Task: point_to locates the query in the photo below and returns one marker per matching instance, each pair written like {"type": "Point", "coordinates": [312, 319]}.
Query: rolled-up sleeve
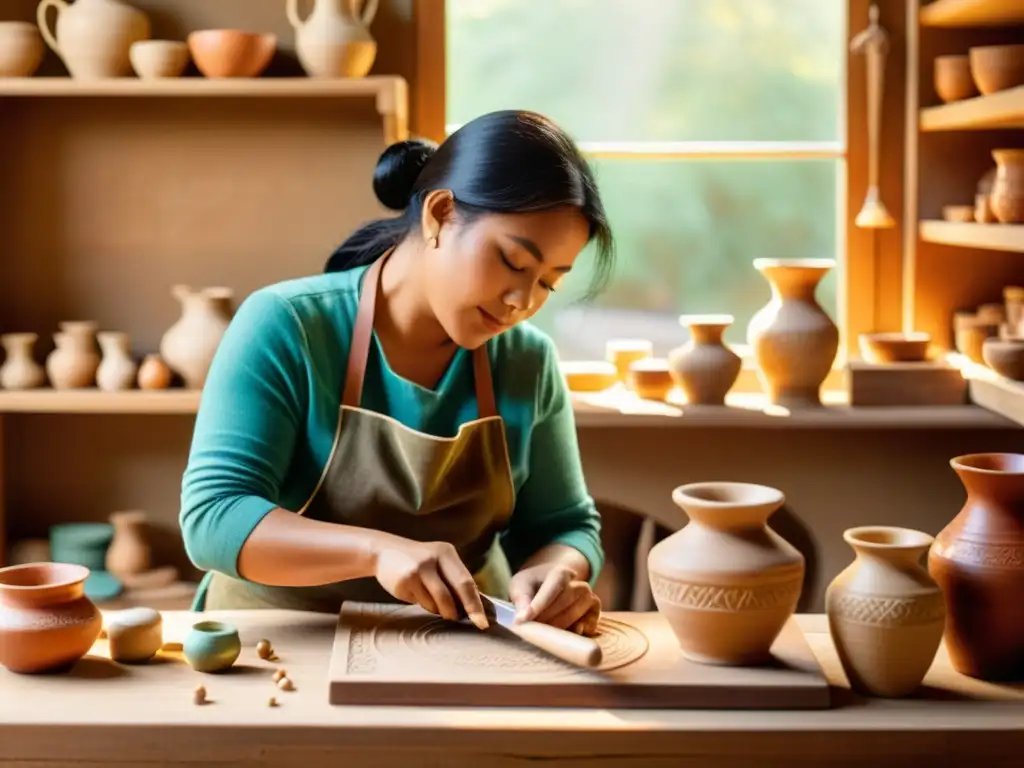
{"type": "Point", "coordinates": [553, 505]}
{"type": "Point", "coordinates": [251, 412]}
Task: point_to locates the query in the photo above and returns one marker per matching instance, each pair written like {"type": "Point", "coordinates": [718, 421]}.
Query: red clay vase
{"type": "Point", "coordinates": [978, 561]}
{"type": "Point", "coordinates": [46, 621]}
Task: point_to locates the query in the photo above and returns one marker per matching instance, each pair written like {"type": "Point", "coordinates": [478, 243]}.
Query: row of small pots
{"type": "Point", "coordinates": [986, 69]}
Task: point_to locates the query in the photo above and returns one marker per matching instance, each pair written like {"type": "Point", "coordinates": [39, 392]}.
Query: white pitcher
{"type": "Point", "coordinates": [93, 37]}
{"type": "Point", "coordinates": [335, 40]}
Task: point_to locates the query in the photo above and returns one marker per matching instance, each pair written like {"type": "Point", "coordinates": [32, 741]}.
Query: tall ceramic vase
{"type": "Point", "coordinates": [793, 339]}
{"type": "Point", "coordinates": [93, 37]}
{"type": "Point", "coordinates": [978, 560]}
{"type": "Point", "coordinates": [885, 613]}
{"type": "Point", "coordinates": [726, 582]}
{"type": "Point", "coordinates": [335, 39]}
{"type": "Point", "coordinates": [189, 345]}
{"type": "Point", "coordinates": [705, 368]}
{"type": "Point", "coordinates": [20, 370]}
{"type": "Point", "coordinates": [1007, 197]}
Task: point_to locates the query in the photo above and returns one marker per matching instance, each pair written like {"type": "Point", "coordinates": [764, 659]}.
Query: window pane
{"type": "Point", "coordinates": [686, 233]}
{"type": "Point", "coordinates": [653, 70]}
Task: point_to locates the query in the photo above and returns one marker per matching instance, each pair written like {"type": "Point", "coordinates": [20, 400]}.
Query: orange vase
{"type": "Point", "coordinates": [46, 621]}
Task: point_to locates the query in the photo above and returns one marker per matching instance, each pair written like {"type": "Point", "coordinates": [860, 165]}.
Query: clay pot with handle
{"type": "Point", "coordinates": [93, 37]}
{"type": "Point", "coordinates": [335, 39]}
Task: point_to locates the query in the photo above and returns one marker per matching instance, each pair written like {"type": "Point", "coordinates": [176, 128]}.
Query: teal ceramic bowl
{"type": "Point", "coordinates": [211, 646]}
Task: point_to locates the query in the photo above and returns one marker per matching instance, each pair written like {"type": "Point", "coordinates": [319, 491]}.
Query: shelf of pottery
{"type": "Point", "coordinates": [102, 43]}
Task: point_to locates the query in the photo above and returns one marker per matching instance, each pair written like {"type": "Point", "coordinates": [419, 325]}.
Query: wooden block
{"type": "Point", "coordinates": [1000, 395]}
{"type": "Point", "coordinates": [401, 655]}
{"type": "Point", "coordinates": [925, 383]}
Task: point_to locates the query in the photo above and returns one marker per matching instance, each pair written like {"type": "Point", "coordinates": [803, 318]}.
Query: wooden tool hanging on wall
{"type": "Point", "coordinates": [873, 42]}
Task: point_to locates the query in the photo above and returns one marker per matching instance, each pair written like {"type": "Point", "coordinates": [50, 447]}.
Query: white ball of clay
{"type": "Point", "coordinates": [135, 634]}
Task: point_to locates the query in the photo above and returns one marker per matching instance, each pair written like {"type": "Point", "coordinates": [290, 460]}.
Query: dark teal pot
{"type": "Point", "coordinates": [211, 646]}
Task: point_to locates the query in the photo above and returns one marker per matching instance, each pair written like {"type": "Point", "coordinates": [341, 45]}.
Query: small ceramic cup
{"type": "Point", "coordinates": [154, 59]}
{"type": "Point", "coordinates": [211, 646]}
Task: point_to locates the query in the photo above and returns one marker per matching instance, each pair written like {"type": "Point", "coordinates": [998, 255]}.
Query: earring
{"type": "Point", "coordinates": [432, 241]}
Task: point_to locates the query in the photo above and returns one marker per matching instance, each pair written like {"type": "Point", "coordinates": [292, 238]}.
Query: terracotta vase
{"type": "Point", "coordinates": [73, 364]}
{"type": "Point", "coordinates": [20, 369]}
{"type": "Point", "coordinates": [46, 621]}
{"type": "Point", "coordinates": [117, 369]}
{"type": "Point", "coordinates": [726, 582]}
{"type": "Point", "coordinates": [705, 368]}
{"type": "Point", "coordinates": [93, 37]}
{"type": "Point", "coordinates": [793, 339]}
{"type": "Point", "coordinates": [978, 560]}
{"type": "Point", "coordinates": [154, 373]}
{"type": "Point", "coordinates": [1007, 198]}
{"type": "Point", "coordinates": [885, 613]}
{"type": "Point", "coordinates": [129, 553]}
{"type": "Point", "coordinates": [21, 49]}
{"type": "Point", "coordinates": [189, 345]}
{"type": "Point", "coordinates": [335, 39]}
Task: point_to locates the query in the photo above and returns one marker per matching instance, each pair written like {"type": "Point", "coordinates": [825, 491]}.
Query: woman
{"type": "Point", "coordinates": [392, 429]}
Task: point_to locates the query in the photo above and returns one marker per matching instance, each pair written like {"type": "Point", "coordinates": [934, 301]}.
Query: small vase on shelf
{"type": "Point", "coordinates": [73, 364]}
{"type": "Point", "coordinates": [705, 368]}
{"type": "Point", "coordinates": [20, 370]}
{"type": "Point", "coordinates": [189, 345]}
{"type": "Point", "coordinates": [117, 368]}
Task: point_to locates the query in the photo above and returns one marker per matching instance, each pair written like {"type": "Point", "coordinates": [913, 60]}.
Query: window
{"type": "Point", "coordinates": [716, 128]}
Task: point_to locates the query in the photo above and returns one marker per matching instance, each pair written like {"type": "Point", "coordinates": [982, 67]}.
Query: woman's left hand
{"type": "Point", "coordinates": [551, 594]}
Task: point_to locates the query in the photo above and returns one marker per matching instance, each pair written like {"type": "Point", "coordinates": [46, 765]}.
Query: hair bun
{"type": "Point", "coordinates": [397, 169]}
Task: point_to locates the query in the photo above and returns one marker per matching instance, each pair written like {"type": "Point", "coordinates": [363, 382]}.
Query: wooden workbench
{"type": "Point", "coordinates": [116, 716]}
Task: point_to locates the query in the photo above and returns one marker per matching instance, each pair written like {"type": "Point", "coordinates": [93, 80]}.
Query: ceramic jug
{"type": "Point", "coordinates": [188, 346]}
{"type": "Point", "coordinates": [726, 582]}
{"type": "Point", "coordinates": [335, 40]}
{"type": "Point", "coordinates": [93, 37]}
{"type": "Point", "coordinates": [705, 368]}
{"type": "Point", "coordinates": [793, 339]}
{"type": "Point", "coordinates": [20, 370]}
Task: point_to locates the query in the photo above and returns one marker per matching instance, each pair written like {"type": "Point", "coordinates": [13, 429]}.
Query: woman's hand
{"type": "Point", "coordinates": [429, 574]}
{"type": "Point", "coordinates": [551, 594]}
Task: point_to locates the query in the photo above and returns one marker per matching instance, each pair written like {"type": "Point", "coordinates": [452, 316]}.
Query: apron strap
{"type": "Point", "coordinates": [359, 351]}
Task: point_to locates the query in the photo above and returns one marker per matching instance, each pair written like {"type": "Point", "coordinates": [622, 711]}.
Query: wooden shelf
{"type": "Point", "coordinates": [991, 391]}
{"type": "Point", "coordinates": [993, 237]}
{"type": "Point", "coordinates": [972, 13]}
{"type": "Point", "coordinates": [1004, 109]}
{"type": "Point", "coordinates": [171, 401]}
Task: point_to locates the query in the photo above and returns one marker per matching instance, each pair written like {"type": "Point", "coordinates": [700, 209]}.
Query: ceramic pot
{"type": "Point", "coordinates": [189, 345]}
{"type": "Point", "coordinates": [93, 37]}
{"type": "Point", "coordinates": [46, 621]}
{"type": "Point", "coordinates": [1007, 198]}
{"type": "Point", "coordinates": [117, 369]}
{"type": "Point", "coordinates": [622, 353]}
{"type": "Point", "coordinates": [20, 370]}
{"type": "Point", "coordinates": [154, 373]}
{"type": "Point", "coordinates": [158, 59]}
{"type": "Point", "coordinates": [335, 40]}
{"type": "Point", "coordinates": [885, 613]}
{"type": "Point", "coordinates": [978, 561]}
{"type": "Point", "coordinates": [129, 552]}
{"type": "Point", "coordinates": [705, 368]}
{"type": "Point", "coordinates": [211, 646]}
{"type": "Point", "coordinates": [21, 49]}
{"type": "Point", "coordinates": [793, 339]}
{"type": "Point", "coordinates": [726, 582]}
{"type": "Point", "coordinates": [73, 364]}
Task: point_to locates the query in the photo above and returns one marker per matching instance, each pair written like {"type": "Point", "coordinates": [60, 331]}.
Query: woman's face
{"type": "Point", "coordinates": [496, 270]}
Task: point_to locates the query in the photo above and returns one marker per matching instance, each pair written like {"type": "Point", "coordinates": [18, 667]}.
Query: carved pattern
{"type": "Point", "coordinates": [708, 597]}
{"type": "Point", "coordinates": [888, 611]}
{"type": "Point", "coordinates": [362, 660]}
{"type": "Point", "coordinates": [985, 555]}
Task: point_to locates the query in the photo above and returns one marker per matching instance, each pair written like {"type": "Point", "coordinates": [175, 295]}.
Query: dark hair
{"type": "Point", "coordinates": [510, 161]}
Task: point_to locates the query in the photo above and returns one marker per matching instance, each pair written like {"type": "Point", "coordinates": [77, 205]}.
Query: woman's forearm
{"type": "Point", "coordinates": [561, 554]}
{"type": "Point", "coordinates": [289, 550]}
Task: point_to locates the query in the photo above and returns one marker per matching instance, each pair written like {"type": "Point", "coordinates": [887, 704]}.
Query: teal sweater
{"type": "Point", "coordinates": [270, 405]}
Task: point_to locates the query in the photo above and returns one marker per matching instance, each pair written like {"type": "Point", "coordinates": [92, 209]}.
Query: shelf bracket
{"type": "Point", "coordinates": [392, 106]}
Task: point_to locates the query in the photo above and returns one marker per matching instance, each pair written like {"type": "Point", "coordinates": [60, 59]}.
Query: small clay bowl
{"type": "Point", "coordinates": [155, 59]}
{"type": "Point", "coordinates": [894, 347]}
{"type": "Point", "coordinates": [650, 378]}
{"type": "Point", "coordinates": [997, 67]}
{"type": "Point", "coordinates": [211, 646]}
{"type": "Point", "coordinates": [21, 49]}
{"type": "Point", "coordinates": [1005, 357]}
{"type": "Point", "coordinates": [220, 53]}
{"type": "Point", "coordinates": [958, 213]}
{"type": "Point", "coordinates": [589, 375]}
{"type": "Point", "coordinates": [952, 76]}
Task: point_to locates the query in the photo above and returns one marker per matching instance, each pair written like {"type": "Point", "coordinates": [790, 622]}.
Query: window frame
{"type": "Point", "coordinates": [869, 291]}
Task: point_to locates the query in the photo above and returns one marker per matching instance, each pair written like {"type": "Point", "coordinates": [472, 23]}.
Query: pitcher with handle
{"type": "Point", "coordinates": [334, 40]}
{"type": "Point", "coordinates": [92, 37]}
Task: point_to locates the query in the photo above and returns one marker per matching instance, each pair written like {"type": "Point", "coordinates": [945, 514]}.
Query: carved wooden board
{"type": "Point", "coordinates": [401, 655]}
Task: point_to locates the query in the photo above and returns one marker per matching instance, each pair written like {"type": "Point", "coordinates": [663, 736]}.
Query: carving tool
{"type": "Point", "coordinates": [567, 646]}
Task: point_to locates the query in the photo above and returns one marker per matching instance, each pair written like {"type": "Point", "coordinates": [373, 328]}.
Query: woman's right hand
{"type": "Point", "coordinates": [429, 574]}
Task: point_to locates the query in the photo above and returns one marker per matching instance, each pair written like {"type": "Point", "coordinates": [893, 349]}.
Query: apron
{"type": "Point", "coordinates": [383, 475]}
